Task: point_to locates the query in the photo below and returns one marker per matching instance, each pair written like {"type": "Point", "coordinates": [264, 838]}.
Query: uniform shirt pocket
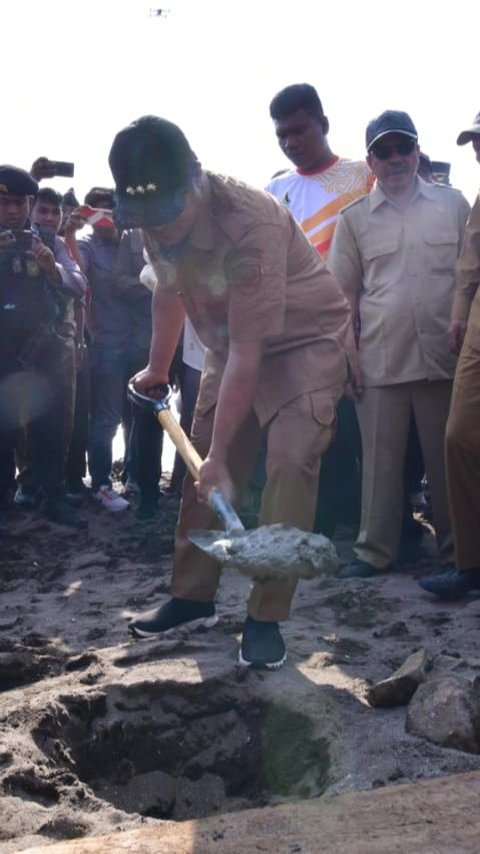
{"type": "Point", "coordinates": [441, 251]}
{"type": "Point", "coordinates": [381, 262]}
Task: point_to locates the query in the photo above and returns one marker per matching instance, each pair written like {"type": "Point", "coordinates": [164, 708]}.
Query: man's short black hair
{"type": "Point", "coordinates": [100, 197]}
{"type": "Point", "coordinates": [299, 96]}
{"type": "Point", "coordinates": [48, 194]}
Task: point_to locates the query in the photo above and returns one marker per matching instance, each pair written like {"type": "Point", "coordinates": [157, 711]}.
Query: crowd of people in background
{"type": "Point", "coordinates": [76, 326]}
{"type": "Point", "coordinates": [97, 337]}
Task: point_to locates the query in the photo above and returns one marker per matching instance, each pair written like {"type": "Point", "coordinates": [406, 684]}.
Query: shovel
{"type": "Point", "coordinates": [276, 552]}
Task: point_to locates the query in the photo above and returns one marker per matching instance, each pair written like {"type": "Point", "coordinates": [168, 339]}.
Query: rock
{"type": "Point", "coordinates": [400, 687]}
{"type": "Point", "coordinates": [80, 662]}
{"type": "Point", "coordinates": [446, 710]}
{"type": "Point", "coordinates": [395, 630]}
{"type": "Point", "coordinates": [85, 559]}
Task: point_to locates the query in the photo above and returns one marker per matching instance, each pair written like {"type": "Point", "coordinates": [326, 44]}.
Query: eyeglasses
{"type": "Point", "coordinates": [384, 152]}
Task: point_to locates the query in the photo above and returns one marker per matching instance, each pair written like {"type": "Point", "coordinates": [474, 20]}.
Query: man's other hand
{"type": "Point", "coordinates": [44, 258]}
{"type": "Point", "coordinates": [42, 168]}
{"type": "Point", "coordinates": [7, 240]}
{"type": "Point", "coordinates": [74, 223]}
{"type": "Point", "coordinates": [354, 386]}
{"type": "Point", "coordinates": [214, 473]}
{"type": "Point", "coordinates": [456, 334]}
{"type": "Point", "coordinates": [151, 383]}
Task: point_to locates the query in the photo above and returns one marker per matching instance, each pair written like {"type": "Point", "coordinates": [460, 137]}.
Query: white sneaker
{"type": "Point", "coordinates": [131, 487]}
{"type": "Point", "coordinates": [110, 499]}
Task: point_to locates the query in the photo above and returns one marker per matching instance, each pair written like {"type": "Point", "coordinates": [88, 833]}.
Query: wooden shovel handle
{"type": "Point", "coordinates": [192, 459]}
{"type": "Point", "coordinates": [188, 453]}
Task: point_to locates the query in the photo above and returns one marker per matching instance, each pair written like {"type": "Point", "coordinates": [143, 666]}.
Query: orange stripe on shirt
{"type": "Point", "coordinates": [332, 208]}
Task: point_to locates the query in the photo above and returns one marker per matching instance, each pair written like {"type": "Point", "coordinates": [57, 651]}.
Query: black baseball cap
{"type": "Point", "coordinates": [17, 182]}
{"type": "Point", "coordinates": [468, 134]}
{"type": "Point", "coordinates": [391, 121]}
{"type": "Point", "coordinates": [153, 167]}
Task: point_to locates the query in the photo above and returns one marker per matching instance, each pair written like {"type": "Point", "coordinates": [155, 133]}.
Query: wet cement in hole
{"type": "Point", "coordinates": [183, 751]}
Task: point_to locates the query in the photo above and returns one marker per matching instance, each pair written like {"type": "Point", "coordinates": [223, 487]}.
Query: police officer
{"type": "Point", "coordinates": [32, 302]}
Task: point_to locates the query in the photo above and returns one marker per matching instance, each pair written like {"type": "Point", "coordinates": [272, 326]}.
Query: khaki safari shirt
{"type": "Point", "coordinates": [249, 274]}
{"type": "Point", "coordinates": [398, 267]}
{"type": "Point", "coordinates": [466, 302]}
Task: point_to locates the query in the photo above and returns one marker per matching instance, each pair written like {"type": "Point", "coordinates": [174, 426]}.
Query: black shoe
{"type": "Point", "coordinates": [262, 645]}
{"type": "Point", "coordinates": [172, 492]}
{"type": "Point", "coordinates": [358, 569]}
{"type": "Point", "coordinates": [29, 499]}
{"type": "Point", "coordinates": [452, 583]}
{"type": "Point", "coordinates": [63, 514]}
{"type": "Point", "coordinates": [73, 499]}
{"type": "Point", "coordinates": [146, 509]}
{"type": "Point", "coordinates": [175, 612]}
{"type": "Point", "coordinates": [76, 493]}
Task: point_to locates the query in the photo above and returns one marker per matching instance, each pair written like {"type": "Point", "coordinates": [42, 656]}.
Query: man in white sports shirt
{"type": "Point", "coordinates": [315, 189]}
{"type": "Point", "coordinates": [320, 183]}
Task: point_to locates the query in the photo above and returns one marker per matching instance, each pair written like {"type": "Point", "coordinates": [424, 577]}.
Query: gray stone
{"type": "Point", "coordinates": [400, 687]}
{"type": "Point", "coordinates": [81, 561]}
{"type": "Point", "coordinates": [446, 710]}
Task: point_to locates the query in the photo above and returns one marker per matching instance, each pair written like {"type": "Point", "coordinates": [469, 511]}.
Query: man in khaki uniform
{"type": "Point", "coordinates": [394, 254]}
{"type": "Point", "coordinates": [463, 433]}
{"type": "Point", "coordinates": [275, 323]}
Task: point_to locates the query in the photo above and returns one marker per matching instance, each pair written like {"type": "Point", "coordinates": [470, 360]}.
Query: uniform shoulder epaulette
{"type": "Point", "coordinates": [355, 202]}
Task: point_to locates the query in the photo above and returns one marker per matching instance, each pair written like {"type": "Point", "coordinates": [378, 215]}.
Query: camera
{"type": "Point", "coordinates": [46, 234]}
{"type": "Point", "coordinates": [23, 240]}
{"type": "Point", "coordinates": [64, 169]}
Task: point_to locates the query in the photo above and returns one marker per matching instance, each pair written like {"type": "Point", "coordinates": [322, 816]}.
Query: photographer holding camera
{"type": "Point", "coordinates": [34, 289]}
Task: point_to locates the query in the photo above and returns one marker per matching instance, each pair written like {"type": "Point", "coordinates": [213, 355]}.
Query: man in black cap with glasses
{"type": "Point", "coordinates": [275, 324]}
{"type": "Point", "coordinates": [394, 253]}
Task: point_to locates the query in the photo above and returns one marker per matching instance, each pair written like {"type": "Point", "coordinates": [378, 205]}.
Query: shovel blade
{"type": "Point", "coordinates": [213, 543]}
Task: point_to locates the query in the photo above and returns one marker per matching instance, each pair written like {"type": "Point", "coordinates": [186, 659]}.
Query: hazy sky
{"type": "Point", "coordinates": [75, 73]}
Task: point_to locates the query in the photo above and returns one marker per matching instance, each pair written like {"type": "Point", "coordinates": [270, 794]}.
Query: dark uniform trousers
{"type": "Point", "coordinates": [35, 398]}
{"type": "Point", "coordinates": [297, 437]}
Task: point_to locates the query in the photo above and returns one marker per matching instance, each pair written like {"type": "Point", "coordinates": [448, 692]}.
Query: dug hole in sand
{"type": "Point", "coordinates": [100, 734]}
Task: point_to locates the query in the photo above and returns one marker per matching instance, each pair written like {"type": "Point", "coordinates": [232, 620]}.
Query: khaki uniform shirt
{"type": "Point", "coordinates": [466, 303]}
{"type": "Point", "coordinates": [249, 274]}
{"type": "Point", "coordinates": [398, 266]}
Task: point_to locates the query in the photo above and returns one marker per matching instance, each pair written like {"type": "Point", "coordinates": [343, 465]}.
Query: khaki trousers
{"type": "Point", "coordinates": [297, 436]}
{"type": "Point", "coordinates": [463, 458]}
{"type": "Point", "coordinates": [384, 416]}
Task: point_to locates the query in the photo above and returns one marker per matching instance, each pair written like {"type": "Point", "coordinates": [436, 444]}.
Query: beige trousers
{"type": "Point", "coordinates": [384, 417]}
{"type": "Point", "coordinates": [463, 458]}
{"type": "Point", "coordinates": [297, 436]}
